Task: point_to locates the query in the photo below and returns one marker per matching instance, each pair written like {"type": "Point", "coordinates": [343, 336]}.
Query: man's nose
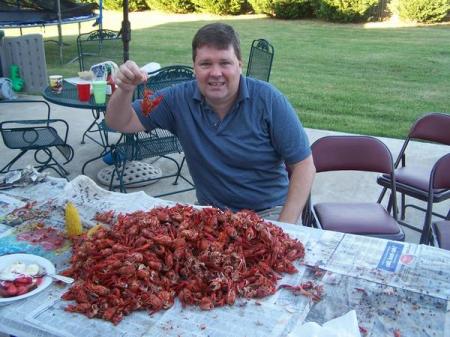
{"type": "Point", "coordinates": [216, 70]}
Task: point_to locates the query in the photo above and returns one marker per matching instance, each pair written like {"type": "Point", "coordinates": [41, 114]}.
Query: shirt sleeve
{"type": "Point", "coordinates": [288, 135]}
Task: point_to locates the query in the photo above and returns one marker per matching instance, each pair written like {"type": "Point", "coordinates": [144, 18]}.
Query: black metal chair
{"type": "Point", "coordinates": [38, 135]}
{"type": "Point", "coordinates": [99, 46]}
{"type": "Point", "coordinates": [355, 153]}
{"type": "Point", "coordinates": [158, 142]}
{"type": "Point", "coordinates": [413, 179]}
{"type": "Point", "coordinates": [260, 60]}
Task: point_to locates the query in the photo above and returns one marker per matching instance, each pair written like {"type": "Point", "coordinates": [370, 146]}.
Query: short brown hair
{"type": "Point", "coordinates": [217, 35]}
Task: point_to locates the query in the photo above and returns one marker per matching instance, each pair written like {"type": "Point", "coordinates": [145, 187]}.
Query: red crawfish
{"type": "Point", "coordinates": [149, 103]}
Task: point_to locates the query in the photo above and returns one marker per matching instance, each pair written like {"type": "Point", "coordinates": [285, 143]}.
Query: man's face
{"type": "Point", "coordinates": [218, 73]}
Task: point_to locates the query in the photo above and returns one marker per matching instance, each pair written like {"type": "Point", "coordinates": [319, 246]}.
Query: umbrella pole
{"type": "Point", "coordinates": [126, 31]}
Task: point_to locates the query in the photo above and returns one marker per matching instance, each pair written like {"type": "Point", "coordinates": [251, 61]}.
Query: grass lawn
{"type": "Point", "coordinates": [338, 77]}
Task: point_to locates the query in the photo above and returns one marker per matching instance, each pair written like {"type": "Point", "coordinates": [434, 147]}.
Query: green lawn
{"type": "Point", "coordinates": [338, 77]}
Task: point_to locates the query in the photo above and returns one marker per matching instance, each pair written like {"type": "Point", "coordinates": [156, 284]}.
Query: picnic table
{"type": "Point", "coordinates": [396, 288]}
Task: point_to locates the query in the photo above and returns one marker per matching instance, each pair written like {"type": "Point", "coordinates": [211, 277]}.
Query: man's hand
{"type": "Point", "coordinates": [120, 115]}
{"type": "Point", "coordinates": [129, 76]}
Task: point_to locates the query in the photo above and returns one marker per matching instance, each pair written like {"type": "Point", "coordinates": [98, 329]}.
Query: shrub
{"type": "Point", "coordinates": [345, 10]}
{"type": "Point", "coordinates": [172, 6]}
{"type": "Point", "coordinates": [133, 5]}
{"type": "Point", "coordinates": [262, 6]}
{"type": "Point", "coordinates": [221, 7]}
{"type": "Point", "coordinates": [426, 11]}
{"type": "Point", "coordinates": [292, 9]}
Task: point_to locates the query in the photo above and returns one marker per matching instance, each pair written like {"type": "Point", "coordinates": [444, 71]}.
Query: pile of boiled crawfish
{"type": "Point", "coordinates": [205, 257]}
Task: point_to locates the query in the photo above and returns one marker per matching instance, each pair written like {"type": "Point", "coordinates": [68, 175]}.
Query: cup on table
{"type": "Point", "coordinates": [84, 91]}
{"type": "Point", "coordinates": [56, 83]}
{"type": "Point", "coordinates": [99, 89]}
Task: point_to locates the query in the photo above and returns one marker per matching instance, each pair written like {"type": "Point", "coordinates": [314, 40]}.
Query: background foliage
{"type": "Point", "coordinates": [426, 11]}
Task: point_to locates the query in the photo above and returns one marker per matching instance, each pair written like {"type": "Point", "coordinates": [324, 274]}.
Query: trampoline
{"type": "Point", "coordinates": [41, 13]}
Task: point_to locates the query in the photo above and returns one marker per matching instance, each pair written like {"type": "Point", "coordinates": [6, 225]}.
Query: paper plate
{"type": "Point", "coordinates": [7, 260]}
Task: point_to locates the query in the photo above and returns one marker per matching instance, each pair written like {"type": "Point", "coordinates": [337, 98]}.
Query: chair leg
{"type": "Point", "coordinates": [403, 206]}
{"type": "Point", "coordinates": [8, 166]}
{"type": "Point", "coordinates": [50, 162]}
{"type": "Point", "coordinates": [382, 194]}
{"type": "Point", "coordinates": [179, 170]}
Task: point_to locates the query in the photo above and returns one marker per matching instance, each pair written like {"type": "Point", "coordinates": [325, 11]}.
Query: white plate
{"type": "Point", "coordinates": [7, 260]}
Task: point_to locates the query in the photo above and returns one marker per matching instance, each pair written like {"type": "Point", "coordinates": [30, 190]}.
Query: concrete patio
{"type": "Point", "coordinates": [341, 186]}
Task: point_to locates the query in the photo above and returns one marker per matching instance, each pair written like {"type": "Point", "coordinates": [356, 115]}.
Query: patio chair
{"type": "Point", "coordinates": [38, 135]}
{"type": "Point", "coordinates": [260, 60]}
{"type": "Point", "coordinates": [412, 178]}
{"type": "Point", "coordinates": [355, 153]}
{"type": "Point", "coordinates": [439, 230]}
{"type": "Point", "coordinates": [99, 46]}
{"type": "Point", "coordinates": [158, 142]}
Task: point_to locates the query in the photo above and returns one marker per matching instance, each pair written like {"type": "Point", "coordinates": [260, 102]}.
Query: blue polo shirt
{"type": "Point", "coordinates": [236, 163]}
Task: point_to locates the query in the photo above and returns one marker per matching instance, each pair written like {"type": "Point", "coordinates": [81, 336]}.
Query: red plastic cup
{"type": "Point", "coordinates": [84, 91]}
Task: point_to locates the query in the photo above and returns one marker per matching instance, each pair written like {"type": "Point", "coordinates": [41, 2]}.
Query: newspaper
{"type": "Point", "coordinates": [391, 286]}
{"type": "Point", "coordinates": [418, 268]}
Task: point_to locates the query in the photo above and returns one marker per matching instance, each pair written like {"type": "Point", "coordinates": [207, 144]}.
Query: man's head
{"type": "Point", "coordinates": [216, 35]}
{"type": "Point", "coordinates": [217, 65]}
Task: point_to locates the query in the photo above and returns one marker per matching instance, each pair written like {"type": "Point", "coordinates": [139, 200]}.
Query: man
{"type": "Point", "coordinates": [238, 134]}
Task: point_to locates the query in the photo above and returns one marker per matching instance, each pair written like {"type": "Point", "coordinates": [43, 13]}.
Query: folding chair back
{"type": "Point", "coordinates": [355, 153]}
{"type": "Point", "coordinates": [413, 179]}
{"type": "Point", "coordinates": [260, 60]}
{"type": "Point", "coordinates": [433, 127]}
{"type": "Point", "coordinates": [157, 142]}
{"type": "Point", "coordinates": [439, 179]}
{"type": "Point", "coordinates": [99, 46]}
{"type": "Point", "coordinates": [358, 153]}
{"type": "Point", "coordinates": [38, 135]}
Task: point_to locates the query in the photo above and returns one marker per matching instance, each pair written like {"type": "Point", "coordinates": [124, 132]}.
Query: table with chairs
{"type": "Point", "coordinates": [97, 130]}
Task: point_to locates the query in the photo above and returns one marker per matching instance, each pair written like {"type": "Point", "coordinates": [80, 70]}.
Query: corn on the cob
{"type": "Point", "coordinates": [73, 221]}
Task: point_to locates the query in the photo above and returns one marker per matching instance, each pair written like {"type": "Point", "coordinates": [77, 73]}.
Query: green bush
{"type": "Point", "coordinates": [345, 10]}
{"type": "Point", "coordinates": [262, 6]}
{"type": "Point", "coordinates": [426, 11]}
{"type": "Point", "coordinates": [133, 5]}
{"type": "Point", "coordinates": [172, 6]}
{"type": "Point", "coordinates": [222, 7]}
{"type": "Point", "coordinates": [292, 9]}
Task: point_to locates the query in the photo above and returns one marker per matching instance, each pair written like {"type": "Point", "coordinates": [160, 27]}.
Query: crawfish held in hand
{"type": "Point", "coordinates": [206, 258]}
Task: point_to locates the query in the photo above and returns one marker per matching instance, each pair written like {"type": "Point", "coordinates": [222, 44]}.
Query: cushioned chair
{"type": "Point", "coordinates": [38, 135]}
{"type": "Point", "coordinates": [355, 153]}
{"type": "Point", "coordinates": [412, 178]}
{"type": "Point", "coordinates": [158, 142]}
{"type": "Point", "coordinates": [440, 230]}
{"type": "Point", "coordinates": [260, 60]}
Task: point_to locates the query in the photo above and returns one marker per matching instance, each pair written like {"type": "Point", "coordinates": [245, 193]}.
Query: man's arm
{"type": "Point", "coordinates": [120, 115]}
{"type": "Point", "coordinates": [300, 183]}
